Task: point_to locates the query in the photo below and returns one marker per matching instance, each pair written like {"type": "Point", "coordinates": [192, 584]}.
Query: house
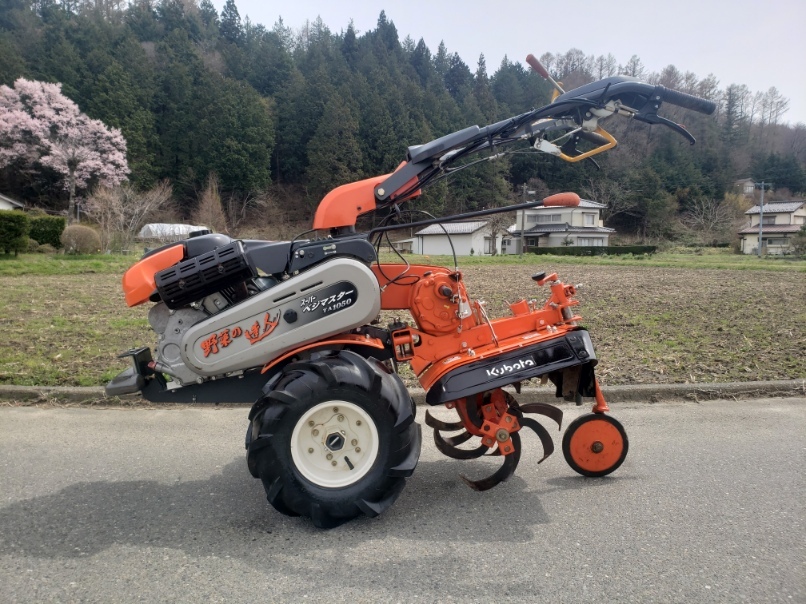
{"type": "Point", "coordinates": [745, 186]}
{"type": "Point", "coordinates": [559, 226]}
{"type": "Point", "coordinates": [468, 237]}
{"type": "Point", "coordinates": [6, 203]}
{"type": "Point", "coordinates": [781, 221]}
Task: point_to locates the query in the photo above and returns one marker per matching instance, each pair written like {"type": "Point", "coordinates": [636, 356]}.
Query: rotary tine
{"type": "Point", "coordinates": [543, 409]}
{"type": "Point", "coordinates": [542, 434]}
{"type": "Point", "coordinates": [458, 439]}
{"type": "Point", "coordinates": [503, 473]}
{"type": "Point", "coordinates": [455, 453]}
{"type": "Point", "coordinates": [436, 424]}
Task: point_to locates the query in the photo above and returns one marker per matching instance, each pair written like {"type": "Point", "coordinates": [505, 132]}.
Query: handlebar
{"type": "Point", "coordinates": [575, 113]}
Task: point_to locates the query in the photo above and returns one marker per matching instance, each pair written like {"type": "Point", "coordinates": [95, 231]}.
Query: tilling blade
{"type": "Point", "coordinates": [549, 411]}
{"type": "Point", "coordinates": [455, 453]}
{"type": "Point", "coordinates": [503, 473]}
{"type": "Point", "coordinates": [458, 439]}
{"type": "Point", "coordinates": [542, 434]}
{"type": "Point", "coordinates": [473, 412]}
{"type": "Point", "coordinates": [433, 422]}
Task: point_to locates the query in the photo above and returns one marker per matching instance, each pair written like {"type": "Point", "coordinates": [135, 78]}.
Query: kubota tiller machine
{"type": "Point", "coordinates": [293, 326]}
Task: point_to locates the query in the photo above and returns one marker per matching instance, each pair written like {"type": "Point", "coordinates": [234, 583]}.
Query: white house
{"type": "Point", "coordinates": [6, 203]}
{"type": "Point", "coordinates": [782, 220]}
{"type": "Point", "coordinates": [468, 237]}
{"type": "Point", "coordinates": [559, 226]}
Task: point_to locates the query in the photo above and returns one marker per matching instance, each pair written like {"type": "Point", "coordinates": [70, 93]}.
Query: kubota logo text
{"type": "Point", "coordinates": [508, 368]}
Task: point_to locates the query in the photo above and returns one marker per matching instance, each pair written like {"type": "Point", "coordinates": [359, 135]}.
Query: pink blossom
{"type": "Point", "coordinates": [41, 126]}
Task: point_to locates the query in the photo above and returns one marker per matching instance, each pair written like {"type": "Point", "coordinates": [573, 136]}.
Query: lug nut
{"type": "Point", "coordinates": [311, 423]}
{"type": "Point", "coordinates": [332, 463]}
{"type": "Point", "coordinates": [315, 432]}
{"type": "Point", "coordinates": [329, 456]}
{"type": "Point", "coordinates": [358, 423]}
{"type": "Point", "coordinates": [358, 449]}
{"type": "Point", "coordinates": [310, 449]}
{"type": "Point", "coordinates": [354, 442]}
{"type": "Point", "coordinates": [335, 409]}
{"type": "Point", "coordinates": [340, 418]}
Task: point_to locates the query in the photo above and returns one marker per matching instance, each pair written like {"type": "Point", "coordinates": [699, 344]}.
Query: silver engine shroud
{"type": "Point", "coordinates": [328, 299]}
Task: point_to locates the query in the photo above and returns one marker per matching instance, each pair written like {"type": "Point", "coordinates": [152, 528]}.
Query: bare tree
{"type": "Point", "coordinates": [708, 216]}
{"type": "Point", "coordinates": [122, 211]}
{"type": "Point", "coordinates": [210, 211]}
{"type": "Point", "coordinates": [614, 195]}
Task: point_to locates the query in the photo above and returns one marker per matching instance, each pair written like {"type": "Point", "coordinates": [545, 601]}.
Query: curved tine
{"type": "Point", "coordinates": [473, 412]}
{"type": "Point", "coordinates": [543, 409]}
{"type": "Point", "coordinates": [542, 434]}
{"type": "Point", "coordinates": [433, 422]}
{"type": "Point", "coordinates": [458, 439]}
{"type": "Point", "coordinates": [455, 453]}
{"type": "Point", "coordinates": [503, 473]}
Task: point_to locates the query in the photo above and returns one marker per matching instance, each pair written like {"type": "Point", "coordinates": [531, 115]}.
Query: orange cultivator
{"type": "Point", "coordinates": [293, 327]}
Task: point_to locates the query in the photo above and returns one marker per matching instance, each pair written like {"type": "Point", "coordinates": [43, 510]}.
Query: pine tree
{"type": "Point", "coordinates": [230, 26]}
{"type": "Point", "coordinates": [334, 152]}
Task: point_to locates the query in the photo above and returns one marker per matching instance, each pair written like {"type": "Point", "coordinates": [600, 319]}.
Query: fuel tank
{"type": "Point", "coordinates": [328, 299]}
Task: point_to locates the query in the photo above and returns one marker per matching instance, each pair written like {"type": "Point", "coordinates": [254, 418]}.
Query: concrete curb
{"type": "Point", "coordinates": [643, 393]}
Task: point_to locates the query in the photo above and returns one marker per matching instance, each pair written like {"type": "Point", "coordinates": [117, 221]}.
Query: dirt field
{"type": "Point", "coordinates": [649, 324]}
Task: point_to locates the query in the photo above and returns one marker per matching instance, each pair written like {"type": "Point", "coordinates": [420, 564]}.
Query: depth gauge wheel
{"type": "Point", "coordinates": [595, 444]}
{"type": "Point", "coordinates": [334, 438]}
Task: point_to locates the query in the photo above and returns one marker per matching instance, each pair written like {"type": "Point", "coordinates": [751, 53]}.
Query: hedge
{"type": "Point", "coordinates": [47, 229]}
{"type": "Point", "coordinates": [602, 250]}
{"type": "Point", "coordinates": [14, 227]}
{"type": "Point", "coordinates": [78, 239]}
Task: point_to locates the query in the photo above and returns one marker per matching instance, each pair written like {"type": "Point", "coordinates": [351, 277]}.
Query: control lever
{"type": "Point", "coordinates": [650, 117]}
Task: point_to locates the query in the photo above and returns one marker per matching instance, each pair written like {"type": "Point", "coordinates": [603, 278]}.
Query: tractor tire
{"type": "Point", "coordinates": [333, 438]}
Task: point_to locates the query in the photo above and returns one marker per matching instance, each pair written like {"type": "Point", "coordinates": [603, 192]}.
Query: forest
{"type": "Point", "coordinates": [268, 119]}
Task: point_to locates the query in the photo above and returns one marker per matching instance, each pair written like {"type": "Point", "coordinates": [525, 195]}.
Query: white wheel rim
{"type": "Point", "coordinates": [334, 444]}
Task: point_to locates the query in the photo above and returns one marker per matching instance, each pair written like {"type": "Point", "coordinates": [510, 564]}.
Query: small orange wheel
{"type": "Point", "coordinates": [595, 444]}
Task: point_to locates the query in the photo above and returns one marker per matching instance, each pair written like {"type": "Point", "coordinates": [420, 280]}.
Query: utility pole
{"type": "Point", "coordinates": [523, 218]}
{"type": "Point", "coordinates": [763, 186]}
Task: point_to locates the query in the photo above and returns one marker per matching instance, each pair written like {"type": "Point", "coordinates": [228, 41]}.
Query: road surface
{"type": "Point", "coordinates": [157, 505]}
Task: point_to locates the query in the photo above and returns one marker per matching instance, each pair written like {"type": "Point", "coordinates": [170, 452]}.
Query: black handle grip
{"type": "Point", "coordinates": [687, 101]}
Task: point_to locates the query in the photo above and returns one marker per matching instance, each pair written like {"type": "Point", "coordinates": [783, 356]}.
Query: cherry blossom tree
{"type": "Point", "coordinates": [42, 128]}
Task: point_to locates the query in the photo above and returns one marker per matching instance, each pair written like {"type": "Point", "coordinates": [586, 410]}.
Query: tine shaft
{"type": "Point", "coordinates": [433, 422]}
{"type": "Point", "coordinates": [543, 435]}
{"type": "Point", "coordinates": [543, 409]}
{"type": "Point", "coordinates": [455, 453]}
{"type": "Point", "coordinates": [503, 473]}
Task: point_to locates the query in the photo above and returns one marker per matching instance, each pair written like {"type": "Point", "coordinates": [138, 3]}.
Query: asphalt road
{"type": "Point", "coordinates": [128, 506]}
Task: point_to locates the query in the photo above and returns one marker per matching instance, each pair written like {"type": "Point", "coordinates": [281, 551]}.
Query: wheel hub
{"type": "Point", "coordinates": [334, 441]}
{"type": "Point", "coordinates": [334, 444]}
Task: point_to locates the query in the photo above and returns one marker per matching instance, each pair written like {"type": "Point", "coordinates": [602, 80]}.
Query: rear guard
{"type": "Point", "coordinates": [568, 360]}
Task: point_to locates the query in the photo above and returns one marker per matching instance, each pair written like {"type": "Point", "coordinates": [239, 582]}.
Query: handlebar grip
{"type": "Point", "coordinates": [567, 200]}
{"type": "Point", "coordinates": [535, 64]}
{"type": "Point", "coordinates": [687, 101]}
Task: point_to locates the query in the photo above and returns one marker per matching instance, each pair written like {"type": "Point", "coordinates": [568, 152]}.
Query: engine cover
{"type": "Point", "coordinates": [330, 298]}
{"type": "Point", "coordinates": [201, 275]}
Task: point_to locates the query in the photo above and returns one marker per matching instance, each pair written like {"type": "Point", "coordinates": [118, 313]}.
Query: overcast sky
{"type": "Point", "coordinates": [753, 42]}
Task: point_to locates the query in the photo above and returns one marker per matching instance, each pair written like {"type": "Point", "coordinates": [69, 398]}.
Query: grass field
{"type": "Point", "coordinates": [669, 318]}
